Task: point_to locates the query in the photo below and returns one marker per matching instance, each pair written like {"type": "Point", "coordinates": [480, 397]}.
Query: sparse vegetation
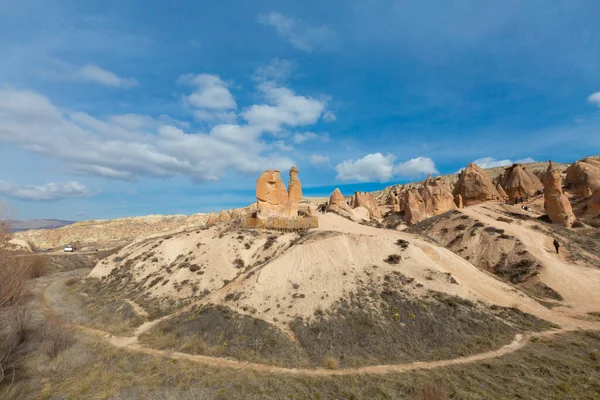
{"type": "Point", "coordinates": [330, 363]}
{"type": "Point", "coordinates": [393, 259]}
{"type": "Point", "coordinates": [504, 219]}
{"type": "Point", "coordinates": [402, 243]}
{"type": "Point", "coordinates": [270, 242]}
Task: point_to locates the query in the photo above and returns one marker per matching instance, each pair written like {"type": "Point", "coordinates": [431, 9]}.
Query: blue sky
{"type": "Point", "coordinates": [125, 108]}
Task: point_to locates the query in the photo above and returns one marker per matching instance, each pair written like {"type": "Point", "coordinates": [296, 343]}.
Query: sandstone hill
{"type": "Point", "coordinates": [108, 233]}
{"type": "Point", "coordinates": [537, 168]}
{"type": "Point", "coordinates": [317, 294]}
{"type": "Point", "coordinates": [583, 175]}
{"type": "Point", "coordinates": [520, 182]}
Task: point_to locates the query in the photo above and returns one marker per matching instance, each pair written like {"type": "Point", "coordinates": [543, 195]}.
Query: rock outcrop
{"type": "Point", "coordinates": [432, 198]}
{"type": "Point", "coordinates": [294, 192]}
{"type": "Point", "coordinates": [587, 192]}
{"type": "Point", "coordinates": [501, 192]}
{"type": "Point", "coordinates": [337, 204]}
{"type": "Point", "coordinates": [556, 204]}
{"type": "Point", "coordinates": [366, 200]}
{"type": "Point", "coordinates": [583, 173]}
{"type": "Point", "coordinates": [518, 182]}
{"type": "Point", "coordinates": [393, 203]}
{"type": "Point", "coordinates": [272, 198]}
{"type": "Point", "coordinates": [475, 186]}
{"type": "Point", "coordinates": [238, 213]}
{"type": "Point", "coordinates": [223, 216]}
{"type": "Point", "coordinates": [271, 195]}
{"type": "Point", "coordinates": [593, 205]}
{"type": "Point", "coordinates": [458, 201]}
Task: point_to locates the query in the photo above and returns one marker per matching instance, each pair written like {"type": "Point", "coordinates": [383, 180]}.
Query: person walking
{"type": "Point", "coordinates": [556, 245]}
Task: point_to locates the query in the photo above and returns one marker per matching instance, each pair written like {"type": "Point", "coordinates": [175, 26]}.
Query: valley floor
{"type": "Point", "coordinates": [75, 351]}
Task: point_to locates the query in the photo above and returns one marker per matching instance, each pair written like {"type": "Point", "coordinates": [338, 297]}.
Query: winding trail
{"type": "Point", "coordinates": [131, 343]}
{"type": "Point", "coordinates": [578, 285]}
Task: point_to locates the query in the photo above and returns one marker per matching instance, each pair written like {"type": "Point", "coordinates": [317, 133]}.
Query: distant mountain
{"type": "Point", "coordinates": [17, 226]}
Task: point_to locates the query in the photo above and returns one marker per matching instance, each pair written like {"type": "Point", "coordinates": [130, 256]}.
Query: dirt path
{"type": "Point", "coordinates": [131, 343]}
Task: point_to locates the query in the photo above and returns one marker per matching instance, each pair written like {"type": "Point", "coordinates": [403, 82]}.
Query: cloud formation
{"type": "Point", "coordinates": [490, 162]}
{"type": "Point", "coordinates": [95, 74]}
{"type": "Point", "coordinates": [416, 167]}
{"type": "Point", "coordinates": [125, 147]}
{"type": "Point", "coordinates": [595, 98]}
{"type": "Point", "coordinates": [47, 192]}
{"type": "Point", "coordinates": [377, 167]}
{"type": "Point", "coordinates": [301, 35]}
{"type": "Point", "coordinates": [318, 159]}
{"type": "Point", "coordinates": [211, 100]}
{"type": "Point", "coordinates": [329, 116]}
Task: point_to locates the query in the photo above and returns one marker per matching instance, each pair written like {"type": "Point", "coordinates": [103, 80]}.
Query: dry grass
{"type": "Point", "coordinates": [432, 390]}
{"type": "Point", "coordinates": [330, 363]}
{"type": "Point", "coordinates": [15, 292]}
{"type": "Point", "coordinates": [57, 338]}
{"type": "Point", "coordinates": [560, 367]}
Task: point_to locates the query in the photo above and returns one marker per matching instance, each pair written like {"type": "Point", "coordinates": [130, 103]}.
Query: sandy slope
{"type": "Point", "coordinates": [580, 286]}
{"type": "Point", "coordinates": [341, 257]}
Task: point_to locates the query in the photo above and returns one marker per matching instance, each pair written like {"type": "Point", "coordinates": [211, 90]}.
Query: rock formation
{"type": "Point", "coordinates": [223, 216]}
{"type": "Point", "coordinates": [587, 192]}
{"type": "Point", "coordinates": [475, 186]}
{"type": "Point", "coordinates": [294, 191]}
{"type": "Point", "coordinates": [366, 200]}
{"type": "Point", "coordinates": [518, 182]}
{"type": "Point", "coordinates": [212, 219]}
{"type": "Point", "coordinates": [501, 192]}
{"type": "Point", "coordinates": [337, 204]}
{"type": "Point", "coordinates": [432, 198]}
{"type": "Point", "coordinates": [271, 195]}
{"type": "Point", "coordinates": [273, 200]}
{"type": "Point", "coordinates": [413, 205]}
{"type": "Point", "coordinates": [583, 173]}
{"type": "Point", "coordinates": [393, 203]}
{"type": "Point", "coordinates": [593, 205]}
{"type": "Point", "coordinates": [556, 204]}
{"type": "Point", "coordinates": [238, 213]}
{"type": "Point", "coordinates": [458, 201]}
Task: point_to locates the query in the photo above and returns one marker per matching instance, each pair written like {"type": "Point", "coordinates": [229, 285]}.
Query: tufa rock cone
{"type": "Point", "coordinates": [556, 204]}
{"type": "Point", "coordinates": [337, 204]}
{"type": "Point", "coordinates": [431, 198]}
{"type": "Point", "coordinates": [366, 200]}
{"type": "Point", "coordinates": [518, 182]}
{"type": "Point", "coordinates": [475, 186]}
{"type": "Point", "coordinates": [583, 173]}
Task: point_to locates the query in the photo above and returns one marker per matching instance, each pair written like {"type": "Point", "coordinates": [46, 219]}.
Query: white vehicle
{"type": "Point", "coordinates": [69, 248]}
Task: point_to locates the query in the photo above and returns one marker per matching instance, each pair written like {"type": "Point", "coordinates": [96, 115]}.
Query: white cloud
{"type": "Point", "coordinates": [126, 147]}
{"type": "Point", "coordinates": [211, 92]}
{"type": "Point", "coordinates": [277, 71]}
{"type": "Point", "coordinates": [300, 138]}
{"type": "Point", "coordinates": [302, 35]}
{"type": "Point", "coordinates": [377, 167]}
{"type": "Point", "coordinates": [47, 192]}
{"type": "Point", "coordinates": [372, 167]}
{"type": "Point", "coordinates": [318, 159]}
{"type": "Point", "coordinates": [329, 116]}
{"type": "Point", "coordinates": [285, 109]}
{"type": "Point", "coordinates": [281, 145]}
{"type": "Point", "coordinates": [211, 101]}
{"type": "Point", "coordinates": [595, 98]}
{"type": "Point", "coordinates": [93, 73]}
{"type": "Point", "coordinates": [415, 167]}
{"type": "Point", "coordinates": [490, 162]}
